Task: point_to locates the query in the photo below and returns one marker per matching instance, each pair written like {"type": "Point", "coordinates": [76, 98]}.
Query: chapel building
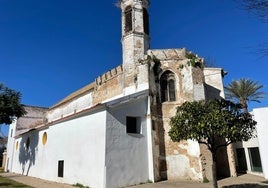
{"type": "Point", "coordinates": [114, 131]}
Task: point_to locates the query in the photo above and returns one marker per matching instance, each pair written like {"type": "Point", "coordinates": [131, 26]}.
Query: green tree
{"type": "Point", "coordinates": [10, 105]}
{"type": "Point", "coordinates": [244, 91]}
{"type": "Point", "coordinates": [207, 121]}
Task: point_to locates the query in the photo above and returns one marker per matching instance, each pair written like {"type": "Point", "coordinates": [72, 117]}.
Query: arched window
{"type": "Point", "coordinates": [167, 84]}
{"type": "Point", "coordinates": [128, 19]}
{"type": "Point", "coordinates": [44, 138]}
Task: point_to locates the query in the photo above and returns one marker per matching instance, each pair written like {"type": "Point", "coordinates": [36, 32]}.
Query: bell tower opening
{"type": "Point", "coordinates": [135, 30]}
{"type": "Point", "coordinates": [146, 21]}
{"type": "Point", "coordinates": [128, 19]}
{"type": "Point", "coordinates": [135, 40]}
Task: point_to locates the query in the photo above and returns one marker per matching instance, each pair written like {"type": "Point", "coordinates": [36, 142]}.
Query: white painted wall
{"type": "Point", "coordinates": [126, 154]}
{"type": "Point", "coordinates": [80, 142]}
{"type": "Point", "coordinates": [253, 142]}
{"type": "Point", "coordinates": [260, 141]}
{"type": "Point", "coordinates": [261, 116]}
{"type": "Point", "coordinates": [213, 77]}
{"type": "Point", "coordinates": [10, 145]}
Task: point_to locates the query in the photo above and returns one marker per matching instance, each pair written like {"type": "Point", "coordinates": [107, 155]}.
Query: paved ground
{"type": "Point", "coordinates": [34, 182]}
{"type": "Point", "coordinates": [243, 181]}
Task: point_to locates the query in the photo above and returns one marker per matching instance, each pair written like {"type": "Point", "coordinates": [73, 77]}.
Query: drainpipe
{"type": "Point", "coordinates": [149, 141]}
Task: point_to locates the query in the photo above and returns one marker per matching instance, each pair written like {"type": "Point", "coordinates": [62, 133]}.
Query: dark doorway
{"type": "Point", "coordinates": [60, 168]}
{"type": "Point", "coordinates": [241, 160]}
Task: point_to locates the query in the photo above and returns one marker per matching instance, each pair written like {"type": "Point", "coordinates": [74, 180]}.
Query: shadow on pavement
{"type": "Point", "coordinates": [4, 184]}
{"type": "Point", "coordinates": [9, 175]}
{"type": "Point", "coordinates": [246, 185]}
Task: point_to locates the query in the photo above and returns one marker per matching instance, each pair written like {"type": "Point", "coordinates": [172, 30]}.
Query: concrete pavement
{"type": "Point", "coordinates": [243, 181]}
{"type": "Point", "coordinates": [34, 182]}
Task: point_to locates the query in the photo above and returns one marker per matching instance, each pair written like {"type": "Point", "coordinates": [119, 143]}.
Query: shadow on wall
{"type": "Point", "coordinates": [222, 163]}
{"type": "Point", "coordinates": [212, 92]}
{"type": "Point", "coordinates": [28, 149]}
{"type": "Point", "coordinates": [158, 129]}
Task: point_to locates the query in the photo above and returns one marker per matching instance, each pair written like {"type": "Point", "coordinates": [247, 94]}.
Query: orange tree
{"type": "Point", "coordinates": [205, 121]}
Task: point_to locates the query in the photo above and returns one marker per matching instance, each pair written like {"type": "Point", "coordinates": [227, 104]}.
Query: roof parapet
{"type": "Point", "coordinates": [168, 54]}
{"type": "Point", "coordinates": [109, 75]}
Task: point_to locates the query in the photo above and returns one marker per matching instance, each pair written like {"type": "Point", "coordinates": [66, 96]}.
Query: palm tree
{"type": "Point", "coordinates": [244, 91]}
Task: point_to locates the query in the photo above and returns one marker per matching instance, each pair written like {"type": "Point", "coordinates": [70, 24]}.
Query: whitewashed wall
{"type": "Point", "coordinates": [79, 142]}
{"type": "Point", "coordinates": [213, 78]}
{"type": "Point", "coordinates": [10, 146]}
{"type": "Point", "coordinates": [126, 154]}
{"type": "Point", "coordinates": [261, 116]}
{"type": "Point", "coordinates": [253, 142]}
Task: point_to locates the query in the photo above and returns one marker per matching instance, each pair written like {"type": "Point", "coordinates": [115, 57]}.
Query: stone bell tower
{"type": "Point", "coordinates": [135, 35]}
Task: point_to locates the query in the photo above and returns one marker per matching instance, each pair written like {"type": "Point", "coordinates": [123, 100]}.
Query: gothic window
{"type": "Point", "coordinates": [128, 19]}
{"type": "Point", "coordinates": [146, 21]}
{"type": "Point", "coordinates": [167, 84]}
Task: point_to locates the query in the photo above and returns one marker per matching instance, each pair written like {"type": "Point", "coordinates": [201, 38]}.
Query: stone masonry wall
{"type": "Point", "coordinates": [108, 85]}
{"type": "Point", "coordinates": [173, 160]}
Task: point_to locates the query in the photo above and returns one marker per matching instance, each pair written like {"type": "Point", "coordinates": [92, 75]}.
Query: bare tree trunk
{"type": "Point", "coordinates": [214, 171]}
{"type": "Point", "coordinates": [231, 160]}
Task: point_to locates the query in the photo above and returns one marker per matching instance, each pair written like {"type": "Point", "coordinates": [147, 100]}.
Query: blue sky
{"type": "Point", "coordinates": [51, 48]}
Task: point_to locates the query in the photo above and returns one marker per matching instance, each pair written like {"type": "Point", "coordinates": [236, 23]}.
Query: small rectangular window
{"type": "Point", "coordinates": [133, 125]}
{"type": "Point", "coordinates": [60, 168]}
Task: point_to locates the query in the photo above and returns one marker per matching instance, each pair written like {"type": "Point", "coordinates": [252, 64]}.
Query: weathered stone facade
{"type": "Point", "coordinates": [173, 160]}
